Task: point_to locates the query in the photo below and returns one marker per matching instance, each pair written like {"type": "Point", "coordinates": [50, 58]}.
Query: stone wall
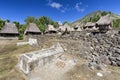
{"type": "Point", "coordinates": [100, 49]}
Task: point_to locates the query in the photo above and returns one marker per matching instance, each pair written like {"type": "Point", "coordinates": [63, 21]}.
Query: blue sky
{"type": "Point", "coordinates": [58, 10]}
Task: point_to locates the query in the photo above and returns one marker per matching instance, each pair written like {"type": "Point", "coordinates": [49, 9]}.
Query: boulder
{"type": "Point", "coordinates": [113, 63]}
{"type": "Point", "coordinates": [112, 58]}
{"type": "Point", "coordinates": [117, 50]}
{"type": "Point", "coordinates": [104, 59]}
{"type": "Point", "coordinates": [118, 63]}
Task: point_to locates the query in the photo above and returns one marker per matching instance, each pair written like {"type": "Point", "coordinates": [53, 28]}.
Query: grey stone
{"type": "Point", "coordinates": [112, 58]}
{"type": "Point", "coordinates": [115, 55]}
{"type": "Point", "coordinates": [117, 50]}
{"type": "Point", "coordinates": [98, 67]}
{"type": "Point", "coordinates": [118, 58]}
{"type": "Point", "coordinates": [118, 63]}
{"type": "Point", "coordinates": [104, 59]}
{"type": "Point", "coordinates": [113, 63]}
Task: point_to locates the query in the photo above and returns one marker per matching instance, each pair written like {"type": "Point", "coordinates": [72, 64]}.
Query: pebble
{"type": "Point", "coordinates": [99, 74]}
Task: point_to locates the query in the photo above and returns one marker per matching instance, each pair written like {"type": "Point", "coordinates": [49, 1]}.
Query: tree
{"type": "Point", "coordinates": [55, 24]}
{"type": "Point", "coordinates": [116, 23]}
{"type": "Point", "coordinates": [105, 13]}
{"type": "Point", "coordinates": [42, 28]}
{"type": "Point", "coordinates": [17, 24]}
{"type": "Point", "coordinates": [94, 18]}
{"type": "Point", "coordinates": [8, 20]}
{"type": "Point", "coordinates": [65, 22]}
{"type": "Point", "coordinates": [45, 20]}
{"type": "Point", "coordinates": [30, 19]}
{"type": "Point", "coordinates": [21, 31]}
{"type": "Point", "coordinates": [2, 23]}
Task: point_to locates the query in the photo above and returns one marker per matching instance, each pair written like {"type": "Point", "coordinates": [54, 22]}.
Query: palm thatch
{"type": "Point", "coordinates": [105, 20]}
{"type": "Point", "coordinates": [32, 28]}
{"type": "Point", "coordinates": [65, 27]}
{"type": "Point", "coordinates": [50, 29]}
{"type": "Point", "coordinates": [78, 27]}
{"type": "Point", "coordinates": [104, 23]}
{"type": "Point", "coordinates": [9, 28]}
{"type": "Point", "coordinates": [89, 24]}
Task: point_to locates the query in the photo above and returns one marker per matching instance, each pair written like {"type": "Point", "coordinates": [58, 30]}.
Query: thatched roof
{"type": "Point", "coordinates": [64, 27]}
{"type": "Point", "coordinates": [78, 27]}
{"type": "Point", "coordinates": [90, 24]}
{"type": "Point", "coordinates": [9, 28]}
{"type": "Point", "coordinates": [32, 27]}
{"type": "Point", "coordinates": [50, 28]}
{"type": "Point", "coordinates": [104, 20]}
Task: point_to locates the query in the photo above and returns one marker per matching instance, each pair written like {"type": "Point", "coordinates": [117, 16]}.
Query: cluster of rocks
{"type": "Point", "coordinates": [105, 49]}
{"type": "Point", "coordinates": [102, 48]}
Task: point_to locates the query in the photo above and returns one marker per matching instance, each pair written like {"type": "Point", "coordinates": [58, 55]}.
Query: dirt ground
{"type": "Point", "coordinates": [9, 53]}
{"type": "Point", "coordinates": [66, 67]}
{"type": "Point", "coordinates": [54, 70]}
{"type": "Point", "coordinates": [71, 68]}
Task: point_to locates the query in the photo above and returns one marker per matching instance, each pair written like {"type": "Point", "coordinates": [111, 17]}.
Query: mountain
{"type": "Point", "coordinates": [94, 17]}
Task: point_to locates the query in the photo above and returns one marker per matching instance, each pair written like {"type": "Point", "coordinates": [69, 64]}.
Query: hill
{"type": "Point", "coordinates": [95, 16]}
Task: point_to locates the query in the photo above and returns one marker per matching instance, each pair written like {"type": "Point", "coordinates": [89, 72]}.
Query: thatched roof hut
{"type": "Point", "coordinates": [51, 29]}
{"type": "Point", "coordinates": [65, 27]}
{"type": "Point", "coordinates": [90, 24]}
{"type": "Point", "coordinates": [78, 27]}
{"type": "Point", "coordinates": [9, 28]}
{"type": "Point", "coordinates": [105, 20]}
{"type": "Point", "coordinates": [9, 31]}
{"type": "Point", "coordinates": [32, 29]}
{"type": "Point", "coordinates": [104, 23]}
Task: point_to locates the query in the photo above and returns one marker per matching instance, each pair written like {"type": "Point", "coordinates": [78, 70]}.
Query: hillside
{"type": "Point", "coordinates": [94, 16]}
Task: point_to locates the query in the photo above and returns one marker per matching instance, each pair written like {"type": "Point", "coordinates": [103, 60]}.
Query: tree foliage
{"type": "Point", "coordinates": [116, 23]}
{"type": "Point", "coordinates": [17, 24]}
{"type": "Point", "coordinates": [30, 19]}
{"type": "Point", "coordinates": [105, 13]}
{"type": "Point", "coordinates": [2, 23]}
{"type": "Point", "coordinates": [93, 19]}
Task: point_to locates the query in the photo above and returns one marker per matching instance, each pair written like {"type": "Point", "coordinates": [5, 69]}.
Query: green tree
{"type": "Point", "coordinates": [45, 20]}
{"type": "Point", "coordinates": [55, 24]}
{"type": "Point", "coordinates": [42, 28]}
{"type": "Point", "coordinates": [8, 20]}
{"type": "Point", "coordinates": [116, 23]}
{"type": "Point", "coordinates": [21, 31]}
{"type": "Point", "coordinates": [105, 13]}
{"type": "Point", "coordinates": [65, 22]}
{"type": "Point", "coordinates": [17, 24]}
{"type": "Point", "coordinates": [2, 23]}
{"type": "Point", "coordinates": [93, 19]}
{"type": "Point", "coordinates": [30, 19]}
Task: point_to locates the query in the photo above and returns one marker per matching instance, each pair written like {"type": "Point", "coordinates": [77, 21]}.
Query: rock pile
{"type": "Point", "coordinates": [105, 49]}
{"type": "Point", "coordinates": [100, 49]}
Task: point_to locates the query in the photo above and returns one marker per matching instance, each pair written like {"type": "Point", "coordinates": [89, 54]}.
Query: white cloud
{"type": "Point", "coordinates": [55, 5]}
{"type": "Point", "coordinates": [79, 7]}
